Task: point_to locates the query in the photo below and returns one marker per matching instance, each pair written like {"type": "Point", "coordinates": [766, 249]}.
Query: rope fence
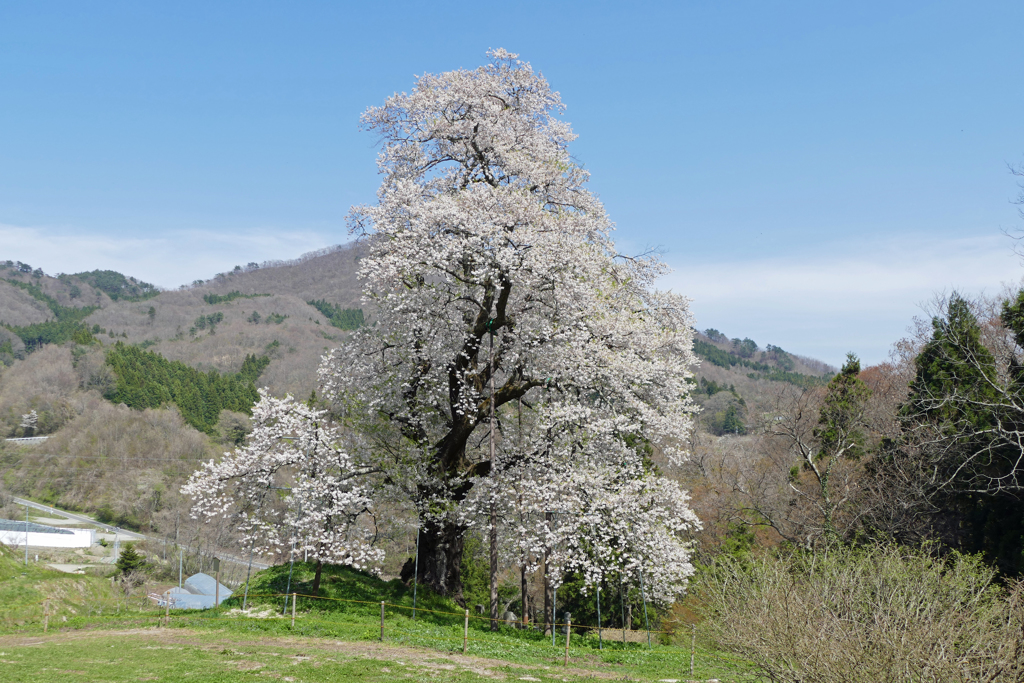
{"type": "Point", "coordinates": [517, 623]}
{"type": "Point", "coordinates": [166, 618]}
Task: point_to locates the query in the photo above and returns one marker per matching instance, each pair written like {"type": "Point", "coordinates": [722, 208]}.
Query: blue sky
{"type": "Point", "coordinates": [814, 172]}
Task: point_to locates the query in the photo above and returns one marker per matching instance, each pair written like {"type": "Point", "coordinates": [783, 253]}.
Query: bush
{"type": "Point", "coordinates": [875, 614]}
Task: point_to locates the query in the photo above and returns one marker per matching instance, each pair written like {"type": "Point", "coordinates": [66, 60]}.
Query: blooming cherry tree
{"type": "Point", "coordinates": [584, 516]}
{"type": "Point", "coordinates": [294, 450]}
{"type": "Point", "coordinates": [29, 422]}
{"type": "Point", "coordinates": [485, 233]}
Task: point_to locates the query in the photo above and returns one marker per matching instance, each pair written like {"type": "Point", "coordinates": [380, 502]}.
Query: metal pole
{"type": "Point", "coordinates": [291, 565]}
{"type": "Point", "coordinates": [181, 560]}
{"type": "Point", "coordinates": [644, 598]}
{"type": "Point", "coordinates": [693, 645]}
{"type": "Point", "coordinates": [622, 601]}
{"type": "Point", "coordinates": [416, 573]}
{"type": "Point", "coordinates": [294, 595]}
{"type": "Point", "coordinates": [26, 536]}
{"type": "Point", "coordinates": [600, 641]}
{"type": "Point", "coordinates": [382, 621]}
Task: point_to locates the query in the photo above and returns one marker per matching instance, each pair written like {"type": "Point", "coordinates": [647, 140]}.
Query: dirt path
{"type": "Point", "coordinates": [219, 640]}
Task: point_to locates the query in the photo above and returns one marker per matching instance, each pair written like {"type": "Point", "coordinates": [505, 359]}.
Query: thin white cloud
{"type": "Point", "coordinates": [168, 259]}
{"type": "Point", "coordinates": [839, 298]}
{"type": "Point", "coordinates": [820, 303]}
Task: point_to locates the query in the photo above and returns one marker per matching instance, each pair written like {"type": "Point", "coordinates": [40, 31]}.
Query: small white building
{"type": "Point", "coordinates": [41, 536]}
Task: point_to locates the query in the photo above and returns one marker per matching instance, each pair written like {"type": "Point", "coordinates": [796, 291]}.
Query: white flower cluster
{"type": "Point", "coordinates": [485, 234]}
{"type": "Point", "coordinates": [496, 289]}
{"type": "Point", "coordinates": [600, 512]}
{"type": "Point", "coordinates": [29, 420]}
{"type": "Point", "coordinates": [292, 483]}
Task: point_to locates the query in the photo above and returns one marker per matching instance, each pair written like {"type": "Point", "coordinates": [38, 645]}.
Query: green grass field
{"type": "Point", "coordinates": [336, 638]}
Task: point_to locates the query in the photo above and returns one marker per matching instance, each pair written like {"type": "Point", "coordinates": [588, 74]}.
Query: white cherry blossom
{"type": "Point", "coordinates": [484, 226]}
{"type": "Point", "coordinates": [291, 483]}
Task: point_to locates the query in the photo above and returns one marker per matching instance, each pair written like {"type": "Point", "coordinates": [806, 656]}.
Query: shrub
{"type": "Point", "coordinates": [876, 614]}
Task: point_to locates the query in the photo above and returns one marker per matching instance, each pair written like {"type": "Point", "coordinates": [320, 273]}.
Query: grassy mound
{"type": "Point", "coordinates": [343, 590]}
{"type": "Point", "coordinates": [27, 590]}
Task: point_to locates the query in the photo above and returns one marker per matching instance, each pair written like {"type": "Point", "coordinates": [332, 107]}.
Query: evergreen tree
{"type": "Point", "coordinates": [129, 560]}
{"type": "Point", "coordinates": [148, 380]}
{"type": "Point", "coordinates": [957, 431]}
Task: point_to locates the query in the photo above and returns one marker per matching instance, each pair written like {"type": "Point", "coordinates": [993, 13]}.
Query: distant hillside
{"type": "Point", "coordinates": [68, 341]}
{"type": "Point", "coordinates": [735, 374]}
{"type": "Point", "coordinates": [323, 274]}
{"type": "Point", "coordinates": [257, 309]}
{"type": "Point", "coordinates": [292, 312]}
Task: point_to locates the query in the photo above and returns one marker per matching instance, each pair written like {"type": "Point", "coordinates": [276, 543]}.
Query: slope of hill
{"type": "Point", "coordinates": [292, 312]}
{"type": "Point", "coordinates": [736, 374]}
{"type": "Point", "coordinates": [252, 310]}
{"type": "Point", "coordinates": [57, 335]}
{"type": "Point", "coordinates": [56, 338]}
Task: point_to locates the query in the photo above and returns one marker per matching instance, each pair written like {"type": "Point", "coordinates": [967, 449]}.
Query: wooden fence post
{"type": "Point", "coordinates": [465, 634]}
{"type": "Point", "coordinates": [693, 645]}
{"type": "Point", "coordinates": [294, 595]}
{"type": "Point", "coordinates": [46, 616]}
{"type": "Point", "coordinates": [568, 634]}
{"type": "Point", "coordinates": [382, 621]}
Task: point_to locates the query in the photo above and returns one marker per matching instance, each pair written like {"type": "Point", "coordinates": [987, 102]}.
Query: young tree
{"type": "Point", "coordinates": [484, 231]}
{"type": "Point", "coordinates": [129, 561]}
{"type": "Point", "coordinates": [296, 450]}
{"type": "Point", "coordinates": [29, 422]}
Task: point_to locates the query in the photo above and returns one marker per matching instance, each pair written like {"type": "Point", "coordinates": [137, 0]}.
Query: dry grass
{"type": "Point", "coordinates": [110, 456]}
{"type": "Point", "coordinates": [872, 616]}
{"type": "Point", "coordinates": [45, 382]}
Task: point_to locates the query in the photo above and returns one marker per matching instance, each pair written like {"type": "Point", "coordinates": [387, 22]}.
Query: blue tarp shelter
{"type": "Point", "coordinates": [199, 592]}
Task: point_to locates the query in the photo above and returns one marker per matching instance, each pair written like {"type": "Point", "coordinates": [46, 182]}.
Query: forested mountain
{"type": "Point", "coordinates": [289, 311]}
{"type": "Point", "coordinates": [736, 374]}
{"type": "Point", "coordinates": [147, 383]}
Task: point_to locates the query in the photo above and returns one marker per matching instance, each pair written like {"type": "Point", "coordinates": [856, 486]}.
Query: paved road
{"type": "Point", "coordinates": [128, 535]}
{"type": "Point", "coordinates": [123, 533]}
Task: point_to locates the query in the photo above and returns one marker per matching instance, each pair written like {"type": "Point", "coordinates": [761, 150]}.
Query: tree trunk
{"type": "Point", "coordinates": [316, 577]}
{"type": "Point", "coordinates": [441, 548]}
{"type": "Point", "coordinates": [494, 568]}
{"type": "Point", "coordinates": [548, 595]}
{"type": "Point", "coordinates": [522, 592]}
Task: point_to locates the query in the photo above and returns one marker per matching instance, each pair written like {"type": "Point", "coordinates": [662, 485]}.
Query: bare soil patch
{"type": "Point", "coordinates": [241, 649]}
